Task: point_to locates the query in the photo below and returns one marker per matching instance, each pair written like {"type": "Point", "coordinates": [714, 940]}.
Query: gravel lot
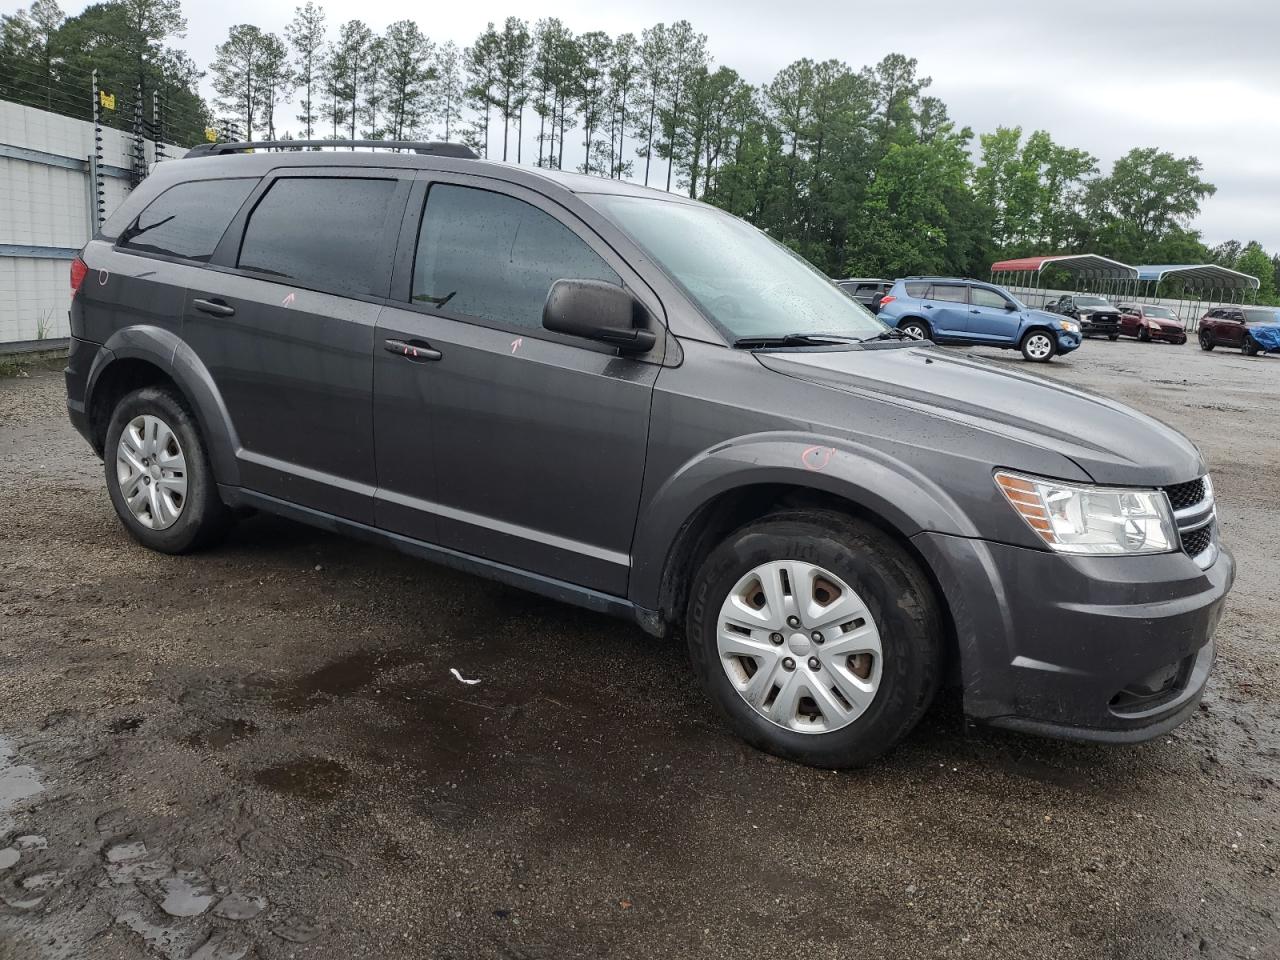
{"type": "Point", "coordinates": [261, 752]}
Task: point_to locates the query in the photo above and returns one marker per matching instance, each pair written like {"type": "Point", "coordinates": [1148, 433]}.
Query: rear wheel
{"type": "Point", "coordinates": [817, 637]}
{"type": "Point", "coordinates": [1113, 336]}
{"type": "Point", "coordinates": [916, 329]}
{"type": "Point", "coordinates": [1206, 340]}
{"type": "Point", "coordinates": [1038, 346]}
{"type": "Point", "coordinates": [1250, 346]}
{"type": "Point", "coordinates": [158, 474]}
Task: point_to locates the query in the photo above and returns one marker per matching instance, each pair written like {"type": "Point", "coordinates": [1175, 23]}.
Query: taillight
{"type": "Point", "coordinates": [887, 299]}
{"type": "Point", "coordinates": [79, 270]}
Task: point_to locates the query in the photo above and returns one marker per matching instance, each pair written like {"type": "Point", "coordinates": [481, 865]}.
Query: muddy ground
{"type": "Point", "coordinates": [261, 752]}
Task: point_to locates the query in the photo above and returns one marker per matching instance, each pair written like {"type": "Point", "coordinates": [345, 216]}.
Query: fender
{"type": "Point", "coordinates": [166, 350]}
{"type": "Point", "coordinates": [901, 496]}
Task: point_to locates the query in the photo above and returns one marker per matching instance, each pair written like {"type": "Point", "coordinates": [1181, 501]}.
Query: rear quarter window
{"type": "Point", "coordinates": [320, 232]}
{"type": "Point", "coordinates": [949, 293]}
{"type": "Point", "coordinates": [188, 219]}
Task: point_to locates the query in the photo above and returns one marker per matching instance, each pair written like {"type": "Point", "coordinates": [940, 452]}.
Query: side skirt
{"type": "Point", "coordinates": [238, 497]}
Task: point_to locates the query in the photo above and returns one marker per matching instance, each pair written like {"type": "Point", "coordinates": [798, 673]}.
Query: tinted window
{"type": "Point", "coordinates": [950, 293]}
{"type": "Point", "coordinates": [1260, 316]}
{"type": "Point", "coordinates": [322, 232]}
{"type": "Point", "coordinates": [187, 220]}
{"type": "Point", "coordinates": [487, 255]}
{"type": "Point", "coordinates": [916, 289]}
{"type": "Point", "coordinates": [981, 297]}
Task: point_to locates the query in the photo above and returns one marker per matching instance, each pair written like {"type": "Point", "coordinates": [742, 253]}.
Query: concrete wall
{"type": "Point", "coordinates": [46, 211]}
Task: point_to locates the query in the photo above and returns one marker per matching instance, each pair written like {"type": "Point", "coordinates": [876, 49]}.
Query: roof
{"type": "Point", "coordinates": [257, 163]}
{"type": "Point", "coordinates": [1085, 264]}
{"type": "Point", "coordinates": [1208, 275]}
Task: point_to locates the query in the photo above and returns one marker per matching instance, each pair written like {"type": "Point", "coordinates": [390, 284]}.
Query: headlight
{"type": "Point", "coordinates": [1084, 519]}
{"type": "Point", "coordinates": [1068, 326]}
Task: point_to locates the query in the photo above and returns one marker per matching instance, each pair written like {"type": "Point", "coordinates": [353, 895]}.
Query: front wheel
{"type": "Point", "coordinates": [916, 329]}
{"type": "Point", "coordinates": [1250, 346]}
{"type": "Point", "coordinates": [816, 636]}
{"type": "Point", "coordinates": [1113, 337]}
{"type": "Point", "coordinates": [1038, 347]}
{"type": "Point", "coordinates": [1144, 334]}
{"type": "Point", "coordinates": [1206, 341]}
{"type": "Point", "coordinates": [158, 473]}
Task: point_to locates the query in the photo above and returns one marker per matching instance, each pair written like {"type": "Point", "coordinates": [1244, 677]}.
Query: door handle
{"type": "Point", "coordinates": [928, 306]}
{"type": "Point", "coordinates": [215, 307]}
{"type": "Point", "coordinates": [974, 310]}
{"type": "Point", "coordinates": [412, 350]}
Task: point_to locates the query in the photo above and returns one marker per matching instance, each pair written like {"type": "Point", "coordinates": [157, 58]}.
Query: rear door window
{"type": "Point", "coordinates": [325, 233]}
{"type": "Point", "coordinates": [917, 289]}
{"type": "Point", "coordinates": [949, 292]}
{"type": "Point", "coordinates": [188, 219]}
{"type": "Point", "coordinates": [494, 257]}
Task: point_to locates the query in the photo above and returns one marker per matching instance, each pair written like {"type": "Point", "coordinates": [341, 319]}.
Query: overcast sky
{"type": "Point", "coordinates": [1103, 75]}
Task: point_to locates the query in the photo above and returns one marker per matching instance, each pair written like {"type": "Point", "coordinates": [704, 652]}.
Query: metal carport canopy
{"type": "Point", "coordinates": [1200, 275]}
{"type": "Point", "coordinates": [1088, 264]}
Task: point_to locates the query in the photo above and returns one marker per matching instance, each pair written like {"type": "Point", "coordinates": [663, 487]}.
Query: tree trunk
{"type": "Point", "coordinates": [648, 149]}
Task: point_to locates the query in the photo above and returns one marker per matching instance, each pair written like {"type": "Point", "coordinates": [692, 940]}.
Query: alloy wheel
{"type": "Point", "coordinates": [151, 471]}
{"type": "Point", "coordinates": [800, 646]}
{"type": "Point", "coordinates": [1039, 346]}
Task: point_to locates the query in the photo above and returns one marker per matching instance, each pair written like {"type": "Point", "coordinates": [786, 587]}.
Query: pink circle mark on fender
{"type": "Point", "coordinates": [516, 344]}
{"type": "Point", "coordinates": [103, 277]}
{"type": "Point", "coordinates": [817, 458]}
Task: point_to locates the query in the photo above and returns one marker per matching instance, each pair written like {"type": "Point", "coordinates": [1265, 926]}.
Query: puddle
{"type": "Point", "coordinates": [239, 906]}
{"type": "Point", "coordinates": [227, 732]}
{"type": "Point", "coordinates": [298, 929]}
{"type": "Point", "coordinates": [221, 946]}
{"type": "Point", "coordinates": [343, 677]}
{"type": "Point", "coordinates": [8, 857]}
{"type": "Point", "coordinates": [313, 778]}
{"type": "Point", "coordinates": [17, 783]}
{"type": "Point", "coordinates": [186, 894]}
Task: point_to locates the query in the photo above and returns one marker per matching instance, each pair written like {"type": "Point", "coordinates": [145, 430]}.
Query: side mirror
{"type": "Point", "coordinates": [1009, 306]}
{"type": "Point", "coordinates": [600, 311]}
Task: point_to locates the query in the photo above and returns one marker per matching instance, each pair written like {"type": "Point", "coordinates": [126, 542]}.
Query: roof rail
{"type": "Point", "coordinates": [438, 148]}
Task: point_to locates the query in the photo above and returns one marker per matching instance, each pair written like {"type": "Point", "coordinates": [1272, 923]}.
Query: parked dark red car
{"type": "Point", "coordinates": [1148, 321]}
{"type": "Point", "coordinates": [1229, 326]}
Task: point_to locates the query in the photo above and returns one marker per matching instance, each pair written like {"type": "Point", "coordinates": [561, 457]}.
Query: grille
{"type": "Point", "coordinates": [1183, 495]}
{"type": "Point", "coordinates": [1197, 541]}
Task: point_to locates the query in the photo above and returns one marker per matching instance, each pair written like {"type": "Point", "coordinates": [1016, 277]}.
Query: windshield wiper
{"type": "Point", "coordinates": [893, 333]}
{"type": "Point", "coordinates": [795, 340]}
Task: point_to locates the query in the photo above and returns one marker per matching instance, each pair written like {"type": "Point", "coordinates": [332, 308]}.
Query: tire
{"type": "Point", "coordinates": [165, 522]}
{"type": "Point", "coordinates": [1144, 335]}
{"type": "Point", "coordinates": [1113, 337]}
{"type": "Point", "coordinates": [1206, 340]}
{"type": "Point", "coordinates": [1038, 346]}
{"type": "Point", "coordinates": [1250, 346]}
{"type": "Point", "coordinates": [895, 598]}
{"type": "Point", "coordinates": [916, 329]}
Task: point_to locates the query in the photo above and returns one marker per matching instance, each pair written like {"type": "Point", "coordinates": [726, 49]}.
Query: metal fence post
{"type": "Point", "coordinates": [95, 165]}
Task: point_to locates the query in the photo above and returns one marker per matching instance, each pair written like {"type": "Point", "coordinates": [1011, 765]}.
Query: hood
{"type": "Point", "coordinates": [1045, 316]}
{"type": "Point", "coordinates": [1111, 442]}
{"type": "Point", "coordinates": [1087, 310]}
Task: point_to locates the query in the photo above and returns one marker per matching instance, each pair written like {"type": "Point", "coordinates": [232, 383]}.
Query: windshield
{"type": "Point", "coordinates": [1091, 302]}
{"type": "Point", "coordinates": [1162, 313]}
{"type": "Point", "coordinates": [749, 284]}
{"type": "Point", "coordinates": [1261, 316]}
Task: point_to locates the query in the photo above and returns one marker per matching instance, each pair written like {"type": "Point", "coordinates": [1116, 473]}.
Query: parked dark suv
{"type": "Point", "coordinates": [637, 403]}
{"type": "Point", "coordinates": [1098, 317]}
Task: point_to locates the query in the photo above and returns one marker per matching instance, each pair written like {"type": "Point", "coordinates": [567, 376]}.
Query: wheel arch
{"type": "Point", "coordinates": [141, 356]}
{"type": "Point", "coordinates": [723, 489]}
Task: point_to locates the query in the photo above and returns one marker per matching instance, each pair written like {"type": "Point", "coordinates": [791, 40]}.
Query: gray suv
{"type": "Point", "coordinates": [637, 403]}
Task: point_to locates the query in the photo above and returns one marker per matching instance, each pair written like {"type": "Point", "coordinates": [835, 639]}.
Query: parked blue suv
{"type": "Point", "coordinates": [949, 310]}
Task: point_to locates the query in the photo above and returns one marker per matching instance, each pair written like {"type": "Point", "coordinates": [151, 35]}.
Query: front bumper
{"type": "Point", "coordinates": [1114, 649]}
{"type": "Point", "coordinates": [1068, 341]}
{"type": "Point", "coordinates": [1099, 328]}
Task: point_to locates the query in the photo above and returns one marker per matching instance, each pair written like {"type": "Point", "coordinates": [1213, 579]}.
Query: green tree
{"type": "Point", "coordinates": [449, 90]}
{"type": "Point", "coordinates": [1149, 195]}
{"type": "Point", "coordinates": [623, 70]}
{"type": "Point", "coordinates": [305, 35]}
{"type": "Point", "coordinates": [481, 62]}
{"type": "Point", "coordinates": [238, 71]}
{"type": "Point", "coordinates": [1256, 262]}
{"type": "Point", "coordinates": [590, 86]}
{"type": "Point", "coordinates": [407, 72]}
{"type": "Point", "coordinates": [688, 56]}
{"type": "Point", "coordinates": [512, 63]}
{"type": "Point", "coordinates": [655, 71]}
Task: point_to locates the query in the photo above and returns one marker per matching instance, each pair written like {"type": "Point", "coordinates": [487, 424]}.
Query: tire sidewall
{"type": "Point", "coordinates": [202, 501]}
{"type": "Point", "coordinates": [1053, 347]}
{"type": "Point", "coordinates": [925, 332]}
{"type": "Point", "coordinates": [905, 620]}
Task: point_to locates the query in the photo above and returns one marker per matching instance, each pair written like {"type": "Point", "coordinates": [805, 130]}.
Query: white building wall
{"type": "Point", "coordinates": [50, 207]}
